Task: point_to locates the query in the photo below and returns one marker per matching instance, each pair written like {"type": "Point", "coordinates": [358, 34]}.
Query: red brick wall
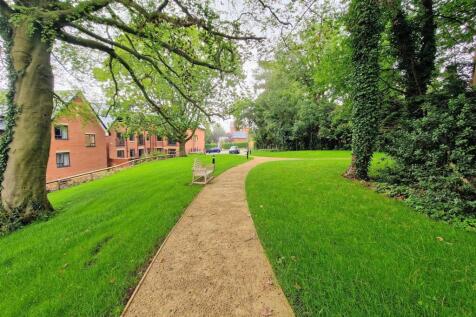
{"type": "Point", "coordinates": [150, 144]}
{"type": "Point", "coordinates": [196, 144]}
{"type": "Point", "coordinates": [153, 143]}
{"type": "Point", "coordinates": [82, 158]}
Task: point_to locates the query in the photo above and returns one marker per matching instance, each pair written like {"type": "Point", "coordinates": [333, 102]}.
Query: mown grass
{"type": "Point", "coordinates": [340, 249]}
{"type": "Point", "coordinates": [83, 260]}
{"type": "Point", "coordinates": [380, 160]}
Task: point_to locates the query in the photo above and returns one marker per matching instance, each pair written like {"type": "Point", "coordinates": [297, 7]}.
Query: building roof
{"type": "Point", "coordinates": [239, 135]}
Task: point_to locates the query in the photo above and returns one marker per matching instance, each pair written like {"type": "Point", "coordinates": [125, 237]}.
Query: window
{"type": "Point", "coordinates": [131, 137]}
{"type": "Point", "coordinates": [141, 152]}
{"type": "Point", "coordinates": [120, 139]}
{"type": "Point", "coordinates": [61, 132]}
{"type": "Point", "coordinates": [120, 154]}
{"type": "Point", "coordinates": [141, 139]}
{"type": "Point", "coordinates": [62, 159]}
{"type": "Point", "coordinates": [159, 138]}
{"type": "Point", "coordinates": [90, 140]}
{"type": "Point", "coordinates": [132, 153]}
{"type": "Point", "coordinates": [172, 142]}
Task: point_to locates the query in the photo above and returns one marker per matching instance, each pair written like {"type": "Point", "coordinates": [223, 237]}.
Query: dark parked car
{"type": "Point", "coordinates": [214, 150]}
{"type": "Point", "coordinates": [234, 150]}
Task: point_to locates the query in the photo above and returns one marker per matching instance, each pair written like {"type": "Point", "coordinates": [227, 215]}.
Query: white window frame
{"type": "Point", "coordinates": [59, 126]}
{"type": "Point", "coordinates": [69, 159]}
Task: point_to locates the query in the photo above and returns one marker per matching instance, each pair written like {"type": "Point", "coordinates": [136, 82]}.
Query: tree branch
{"type": "Point", "coordinates": [76, 12]}
{"type": "Point", "coordinates": [204, 25]}
{"type": "Point", "coordinates": [101, 47]}
{"type": "Point", "coordinates": [162, 6]}
{"type": "Point", "coordinates": [125, 28]}
{"type": "Point", "coordinates": [139, 57]}
{"type": "Point", "coordinates": [116, 86]}
{"type": "Point", "coordinates": [266, 6]}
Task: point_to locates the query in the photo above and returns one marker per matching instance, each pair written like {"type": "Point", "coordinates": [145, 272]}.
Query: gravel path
{"type": "Point", "coordinates": [212, 263]}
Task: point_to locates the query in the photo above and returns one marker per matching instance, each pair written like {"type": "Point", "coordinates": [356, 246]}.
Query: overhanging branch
{"type": "Point", "coordinates": [110, 51]}
{"type": "Point", "coordinates": [139, 56]}
{"type": "Point", "coordinates": [78, 11]}
{"type": "Point", "coordinates": [127, 29]}
{"type": "Point", "coordinates": [204, 25]}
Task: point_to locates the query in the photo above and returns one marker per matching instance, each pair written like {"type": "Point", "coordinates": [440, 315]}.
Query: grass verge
{"type": "Point", "coordinates": [85, 259]}
{"type": "Point", "coordinates": [340, 249]}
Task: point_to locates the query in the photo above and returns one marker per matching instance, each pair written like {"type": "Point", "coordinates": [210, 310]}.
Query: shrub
{"type": "Point", "coordinates": [436, 157]}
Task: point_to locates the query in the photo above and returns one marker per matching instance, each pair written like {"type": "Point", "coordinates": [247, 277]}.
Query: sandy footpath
{"type": "Point", "coordinates": [212, 264]}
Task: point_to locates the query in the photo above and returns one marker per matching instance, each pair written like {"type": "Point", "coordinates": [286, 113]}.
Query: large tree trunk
{"type": "Point", "coordinates": [365, 27]}
{"type": "Point", "coordinates": [182, 151]}
{"type": "Point", "coordinates": [23, 193]}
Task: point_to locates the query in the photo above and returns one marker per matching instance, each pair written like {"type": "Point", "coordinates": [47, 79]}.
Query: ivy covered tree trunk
{"type": "Point", "coordinates": [414, 41]}
{"type": "Point", "coordinates": [365, 31]}
{"type": "Point", "coordinates": [23, 194]}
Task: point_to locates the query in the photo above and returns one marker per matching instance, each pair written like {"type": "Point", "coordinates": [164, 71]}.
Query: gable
{"type": "Point", "coordinates": [79, 108]}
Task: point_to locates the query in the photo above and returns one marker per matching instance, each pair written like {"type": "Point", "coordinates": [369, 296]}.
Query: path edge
{"type": "Point", "coordinates": [136, 289]}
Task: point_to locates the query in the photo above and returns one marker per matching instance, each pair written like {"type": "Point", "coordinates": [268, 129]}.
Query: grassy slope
{"type": "Point", "coordinates": [82, 261]}
{"type": "Point", "coordinates": [340, 249]}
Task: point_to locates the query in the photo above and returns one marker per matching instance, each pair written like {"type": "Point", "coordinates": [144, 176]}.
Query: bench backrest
{"type": "Point", "coordinates": [197, 164]}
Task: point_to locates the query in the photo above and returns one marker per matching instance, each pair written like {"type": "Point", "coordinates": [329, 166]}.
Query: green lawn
{"type": "Point", "coordinates": [340, 249]}
{"type": "Point", "coordinates": [84, 260]}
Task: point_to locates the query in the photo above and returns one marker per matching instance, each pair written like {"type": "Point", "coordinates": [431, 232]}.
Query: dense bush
{"type": "Point", "coordinates": [436, 156]}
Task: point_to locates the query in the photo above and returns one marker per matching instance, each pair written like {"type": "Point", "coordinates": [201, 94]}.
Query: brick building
{"type": "Point", "coordinates": [123, 146]}
{"type": "Point", "coordinates": [81, 142]}
{"type": "Point", "coordinates": [78, 141]}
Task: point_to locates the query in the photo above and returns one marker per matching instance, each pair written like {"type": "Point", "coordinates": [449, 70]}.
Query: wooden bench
{"type": "Point", "coordinates": [201, 174]}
